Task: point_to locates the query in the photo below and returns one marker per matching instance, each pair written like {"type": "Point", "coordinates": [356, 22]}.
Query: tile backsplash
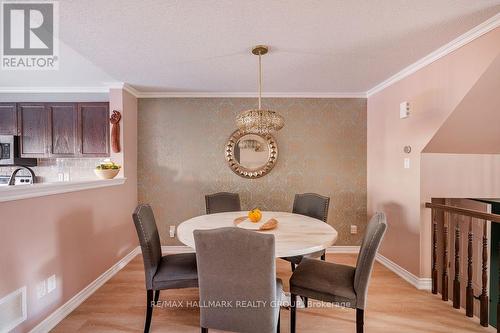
{"type": "Point", "coordinates": [60, 169]}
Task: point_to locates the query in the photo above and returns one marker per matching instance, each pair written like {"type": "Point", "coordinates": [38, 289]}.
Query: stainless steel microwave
{"type": "Point", "coordinates": [10, 153]}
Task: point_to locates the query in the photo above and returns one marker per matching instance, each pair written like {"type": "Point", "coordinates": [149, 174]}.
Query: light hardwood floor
{"type": "Point", "coordinates": [393, 306]}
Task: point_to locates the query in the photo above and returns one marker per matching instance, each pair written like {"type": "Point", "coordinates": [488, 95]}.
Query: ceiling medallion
{"type": "Point", "coordinates": [260, 121]}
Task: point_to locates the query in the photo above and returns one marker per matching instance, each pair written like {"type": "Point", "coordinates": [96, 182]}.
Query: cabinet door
{"type": "Point", "coordinates": [94, 129]}
{"type": "Point", "coordinates": [8, 119]}
{"type": "Point", "coordinates": [33, 125]}
{"type": "Point", "coordinates": [63, 129]}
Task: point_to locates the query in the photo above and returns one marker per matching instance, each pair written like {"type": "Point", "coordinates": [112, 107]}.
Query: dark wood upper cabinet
{"type": "Point", "coordinates": [33, 126]}
{"type": "Point", "coordinates": [94, 129]}
{"type": "Point", "coordinates": [63, 129]}
{"type": "Point", "coordinates": [8, 119]}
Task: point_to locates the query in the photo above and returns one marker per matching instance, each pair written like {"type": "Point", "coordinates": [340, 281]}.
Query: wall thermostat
{"type": "Point", "coordinates": [404, 110]}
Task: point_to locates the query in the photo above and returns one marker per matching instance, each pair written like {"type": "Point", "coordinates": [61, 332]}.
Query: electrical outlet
{"type": "Point", "coordinates": [354, 229]}
{"type": "Point", "coordinates": [41, 289]}
{"type": "Point", "coordinates": [172, 231]}
{"type": "Point", "coordinates": [51, 283]}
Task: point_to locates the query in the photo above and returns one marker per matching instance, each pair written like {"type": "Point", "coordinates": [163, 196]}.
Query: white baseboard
{"type": "Point", "coordinates": [55, 317]}
{"type": "Point", "coordinates": [170, 249]}
{"type": "Point", "coordinates": [419, 283]}
{"type": "Point", "coordinates": [342, 249]}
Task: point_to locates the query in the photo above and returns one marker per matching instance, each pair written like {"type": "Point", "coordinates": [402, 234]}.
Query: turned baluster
{"type": "Point", "coordinates": [456, 280]}
{"type": "Point", "coordinates": [444, 278]}
{"type": "Point", "coordinates": [469, 292]}
{"type": "Point", "coordinates": [483, 298]}
{"type": "Point", "coordinates": [434, 253]}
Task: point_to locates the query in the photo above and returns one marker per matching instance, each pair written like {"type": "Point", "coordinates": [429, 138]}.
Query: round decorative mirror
{"type": "Point", "coordinates": [251, 155]}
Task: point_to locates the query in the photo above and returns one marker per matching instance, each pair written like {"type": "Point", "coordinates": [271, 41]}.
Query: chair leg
{"type": "Point", "coordinates": [360, 320]}
{"type": "Point", "coordinates": [323, 256]}
{"type": "Point", "coordinates": [157, 296]}
{"type": "Point", "coordinates": [204, 330]}
{"type": "Point", "coordinates": [306, 300]}
{"type": "Point", "coordinates": [149, 311]}
{"type": "Point", "coordinates": [293, 266]}
{"type": "Point", "coordinates": [293, 312]}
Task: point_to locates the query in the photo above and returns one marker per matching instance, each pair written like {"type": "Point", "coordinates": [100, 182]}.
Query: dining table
{"type": "Point", "coordinates": [294, 234]}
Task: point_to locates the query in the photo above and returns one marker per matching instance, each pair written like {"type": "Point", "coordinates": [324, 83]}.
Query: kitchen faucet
{"type": "Point", "coordinates": [12, 179]}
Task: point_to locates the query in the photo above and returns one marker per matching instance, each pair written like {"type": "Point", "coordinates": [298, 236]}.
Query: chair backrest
{"type": "Point", "coordinates": [371, 241]}
{"type": "Point", "coordinates": [149, 239]}
{"type": "Point", "coordinates": [222, 202]}
{"type": "Point", "coordinates": [236, 265]}
{"type": "Point", "coordinates": [312, 205]}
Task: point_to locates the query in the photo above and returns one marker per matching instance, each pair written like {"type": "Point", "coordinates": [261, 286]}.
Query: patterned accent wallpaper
{"type": "Point", "coordinates": [322, 149]}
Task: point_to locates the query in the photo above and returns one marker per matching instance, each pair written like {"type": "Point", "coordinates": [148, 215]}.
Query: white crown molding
{"type": "Point", "coordinates": [469, 36]}
{"type": "Point", "coordinates": [124, 86]}
{"type": "Point", "coordinates": [54, 90]}
{"type": "Point", "coordinates": [249, 95]}
{"type": "Point", "coordinates": [419, 283]}
{"type": "Point", "coordinates": [60, 313]}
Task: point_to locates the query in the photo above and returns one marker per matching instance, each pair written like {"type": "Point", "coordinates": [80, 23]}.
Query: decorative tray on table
{"type": "Point", "coordinates": [247, 222]}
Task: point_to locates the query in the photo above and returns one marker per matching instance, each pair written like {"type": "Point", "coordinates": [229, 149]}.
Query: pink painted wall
{"type": "Point", "coordinates": [76, 236]}
{"type": "Point", "coordinates": [474, 126]}
{"type": "Point", "coordinates": [433, 92]}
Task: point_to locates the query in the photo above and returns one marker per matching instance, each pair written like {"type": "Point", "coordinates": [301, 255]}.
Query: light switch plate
{"type": "Point", "coordinates": [172, 231]}
{"type": "Point", "coordinates": [41, 289]}
{"type": "Point", "coordinates": [51, 283]}
{"type": "Point", "coordinates": [407, 163]}
{"type": "Point", "coordinates": [404, 110]}
{"type": "Point", "coordinates": [354, 229]}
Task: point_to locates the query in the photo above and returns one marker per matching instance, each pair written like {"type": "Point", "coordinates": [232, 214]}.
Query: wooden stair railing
{"type": "Point", "coordinates": [469, 293]}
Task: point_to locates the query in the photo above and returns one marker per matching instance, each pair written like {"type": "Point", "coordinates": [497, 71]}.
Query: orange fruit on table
{"type": "Point", "coordinates": [255, 215]}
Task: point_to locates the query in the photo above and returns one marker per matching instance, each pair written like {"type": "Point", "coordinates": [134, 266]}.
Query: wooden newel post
{"type": "Point", "coordinates": [469, 291]}
{"type": "Point", "coordinates": [498, 300]}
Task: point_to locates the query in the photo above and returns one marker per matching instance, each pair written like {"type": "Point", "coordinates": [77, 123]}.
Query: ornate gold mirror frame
{"type": "Point", "coordinates": [241, 170]}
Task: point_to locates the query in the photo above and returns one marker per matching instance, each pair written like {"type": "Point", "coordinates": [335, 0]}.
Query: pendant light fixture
{"type": "Point", "coordinates": [260, 121]}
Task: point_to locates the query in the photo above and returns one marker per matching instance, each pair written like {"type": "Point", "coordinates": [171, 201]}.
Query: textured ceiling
{"type": "Point", "coordinates": [204, 46]}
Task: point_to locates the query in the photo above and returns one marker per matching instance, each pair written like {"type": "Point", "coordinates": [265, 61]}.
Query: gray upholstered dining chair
{"type": "Point", "coordinates": [237, 266]}
{"type": "Point", "coordinates": [172, 271]}
{"type": "Point", "coordinates": [222, 202]}
{"type": "Point", "coordinates": [335, 283]}
{"type": "Point", "coordinates": [315, 206]}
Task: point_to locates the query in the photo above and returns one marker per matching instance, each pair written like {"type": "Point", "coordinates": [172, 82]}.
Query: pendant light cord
{"type": "Point", "coordinates": [260, 80]}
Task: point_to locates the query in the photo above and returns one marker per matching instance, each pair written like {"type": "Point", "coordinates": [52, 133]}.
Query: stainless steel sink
{"type": "Point", "coordinates": [20, 180]}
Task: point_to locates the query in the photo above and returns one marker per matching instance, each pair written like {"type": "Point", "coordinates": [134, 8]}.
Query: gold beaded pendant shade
{"type": "Point", "coordinates": [260, 121]}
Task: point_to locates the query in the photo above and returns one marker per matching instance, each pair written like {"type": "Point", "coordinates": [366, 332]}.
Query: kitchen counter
{"type": "Point", "coordinates": [18, 192]}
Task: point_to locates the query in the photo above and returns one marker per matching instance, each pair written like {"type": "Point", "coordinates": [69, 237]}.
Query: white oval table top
{"type": "Point", "coordinates": [295, 235]}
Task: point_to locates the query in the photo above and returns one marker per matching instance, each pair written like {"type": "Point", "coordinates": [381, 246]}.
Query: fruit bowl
{"type": "Point", "coordinates": [107, 170]}
{"type": "Point", "coordinates": [106, 173]}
